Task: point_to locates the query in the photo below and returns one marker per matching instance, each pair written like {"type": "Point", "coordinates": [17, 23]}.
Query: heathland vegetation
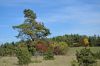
{"type": "Point", "coordinates": [35, 43]}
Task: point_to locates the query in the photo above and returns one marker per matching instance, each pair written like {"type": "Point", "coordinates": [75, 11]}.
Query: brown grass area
{"type": "Point", "coordinates": [59, 60]}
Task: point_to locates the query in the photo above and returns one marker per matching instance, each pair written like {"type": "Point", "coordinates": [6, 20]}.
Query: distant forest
{"type": "Point", "coordinates": [73, 40]}
{"type": "Point", "coordinates": [76, 40]}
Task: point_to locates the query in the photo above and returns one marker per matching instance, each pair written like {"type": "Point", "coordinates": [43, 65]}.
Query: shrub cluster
{"type": "Point", "coordinates": [48, 55]}
{"type": "Point", "coordinates": [41, 46]}
{"type": "Point", "coordinates": [59, 48]}
{"type": "Point", "coordinates": [23, 55]}
{"type": "Point", "coordinates": [7, 50]}
{"type": "Point", "coordinates": [85, 57]}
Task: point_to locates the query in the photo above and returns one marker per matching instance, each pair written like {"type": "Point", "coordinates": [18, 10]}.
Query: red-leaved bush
{"type": "Point", "coordinates": [41, 46]}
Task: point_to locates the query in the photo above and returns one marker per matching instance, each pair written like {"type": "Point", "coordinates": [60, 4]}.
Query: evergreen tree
{"type": "Point", "coordinates": [85, 57]}
{"type": "Point", "coordinates": [31, 29]}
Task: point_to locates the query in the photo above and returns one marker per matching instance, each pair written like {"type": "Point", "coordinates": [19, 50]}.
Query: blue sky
{"type": "Point", "coordinates": [60, 16]}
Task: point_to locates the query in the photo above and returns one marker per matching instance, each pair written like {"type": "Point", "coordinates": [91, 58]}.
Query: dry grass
{"type": "Point", "coordinates": [59, 60]}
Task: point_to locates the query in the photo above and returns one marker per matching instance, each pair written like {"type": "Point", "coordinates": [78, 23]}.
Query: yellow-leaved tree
{"type": "Point", "coordinates": [85, 41]}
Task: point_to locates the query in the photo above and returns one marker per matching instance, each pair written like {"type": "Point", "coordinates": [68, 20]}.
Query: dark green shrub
{"type": "Point", "coordinates": [7, 50]}
{"type": "Point", "coordinates": [23, 55]}
{"type": "Point", "coordinates": [31, 46]}
{"type": "Point", "coordinates": [85, 57]}
{"type": "Point", "coordinates": [48, 55]}
{"type": "Point", "coordinates": [32, 50]}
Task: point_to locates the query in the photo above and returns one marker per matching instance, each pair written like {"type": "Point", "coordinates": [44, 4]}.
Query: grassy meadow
{"type": "Point", "coordinates": [63, 60]}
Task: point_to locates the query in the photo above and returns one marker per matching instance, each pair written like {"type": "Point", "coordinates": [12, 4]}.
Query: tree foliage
{"type": "Point", "coordinates": [85, 42]}
{"type": "Point", "coordinates": [76, 40]}
{"type": "Point", "coordinates": [31, 29]}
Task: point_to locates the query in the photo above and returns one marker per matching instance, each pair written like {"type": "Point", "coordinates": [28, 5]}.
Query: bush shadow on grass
{"type": "Point", "coordinates": [36, 61]}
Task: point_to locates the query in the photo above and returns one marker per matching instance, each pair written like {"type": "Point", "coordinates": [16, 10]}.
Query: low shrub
{"type": "Point", "coordinates": [85, 57]}
{"type": "Point", "coordinates": [41, 46]}
{"type": "Point", "coordinates": [23, 55]}
{"type": "Point", "coordinates": [59, 48]}
{"type": "Point", "coordinates": [7, 50]}
{"type": "Point", "coordinates": [48, 55]}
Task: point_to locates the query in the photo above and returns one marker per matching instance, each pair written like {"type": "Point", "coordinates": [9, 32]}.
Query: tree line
{"type": "Point", "coordinates": [76, 40]}
{"type": "Point", "coordinates": [73, 40]}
